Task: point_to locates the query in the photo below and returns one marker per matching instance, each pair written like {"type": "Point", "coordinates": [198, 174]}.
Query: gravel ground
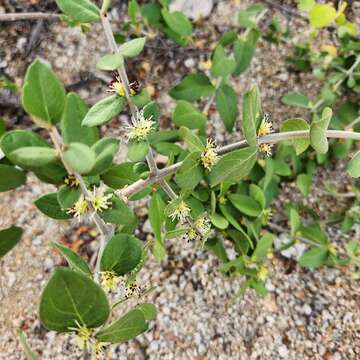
{"type": "Point", "coordinates": [306, 315]}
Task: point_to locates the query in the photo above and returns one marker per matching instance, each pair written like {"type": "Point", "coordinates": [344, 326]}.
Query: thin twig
{"type": "Point", "coordinates": [285, 9]}
{"type": "Point", "coordinates": [280, 229]}
{"type": "Point", "coordinates": [138, 185]}
{"type": "Point", "coordinates": [336, 86]}
{"type": "Point", "coordinates": [106, 231]}
{"type": "Point", "coordinates": [28, 16]}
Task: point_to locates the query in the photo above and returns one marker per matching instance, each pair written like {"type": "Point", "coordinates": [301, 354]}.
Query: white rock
{"type": "Point", "coordinates": [194, 9]}
{"type": "Point", "coordinates": [283, 351]}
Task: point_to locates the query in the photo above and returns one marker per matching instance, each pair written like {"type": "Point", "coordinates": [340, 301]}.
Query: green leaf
{"type": "Point", "coordinates": [119, 213]}
{"type": "Point", "coordinates": [295, 221]}
{"type": "Point", "coordinates": [104, 110]}
{"type": "Point", "coordinates": [192, 87]}
{"type": "Point", "coordinates": [221, 64]}
{"type": "Point", "coordinates": [9, 238]}
{"type": "Point", "coordinates": [110, 62]}
{"type": "Point", "coordinates": [105, 150]}
{"type": "Point", "coordinates": [306, 5]}
{"type": "Point", "coordinates": [303, 182]}
{"type": "Point", "coordinates": [10, 177]}
{"type": "Point", "coordinates": [29, 354]}
{"type": "Point", "coordinates": [121, 254]}
{"type": "Point", "coordinates": [156, 217]}
{"type": "Point", "coordinates": [192, 141]}
{"type": "Point", "coordinates": [148, 310]}
{"type": "Point", "coordinates": [314, 233]}
{"type": "Point", "coordinates": [226, 104]}
{"type": "Point", "coordinates": [233, 166]}
{"type": "Point", "coordinates": [190, 172]}
{"type": "Point", "coordinates": [219, 221]}
{"type": "Point", "coordinates": [126, 328]}
{"type": "Point", "coordinates": [70, 298]}
{"type": "Point", "coordinates": [251, 112]}
{"type": "Point", "coordinates": [52, 173]}
{"type": "Point", "coordinates": [246, 204]}
{"type": "Point", "coordinates": [296, 124]}
{"type": "Point", "coordinates": [83, 11]}
{"type": "Point", "coordinates": [137, 150]}
{"type": "Point", "coordinates": [67, 196]}
{"type": "Point", "coordinates": [120, 175]}
{"type": "Point", "coordinates": [262, 247]}
{"type": "Point", "coordinates": [322, 15]}
{"type": "Point", "coordinates": [258, 195]}
{"type": "Point", "coordinates": [71, 129]}
{"type": "Point", "coordinates": [315, 257]}
{"type": "Point", "coordinates": [353, 168]}
{"type": "Point", "coordinates": [132, 48]}
{"type": "Point", "coordinates": [79, 157]}
{"type": "Point", "coordinates": [48, 204]}
{"type": "Point", "coordinates": [295, 98]}
{"type": "Point", "coordinates": [33, 156]}
{"type": "Point", "coordinates": [76, 262]}
{"type": "Point", "coordinates": [186, 114]}
{"type": "Point", "coordinates": [177, 22]}
{"type": "Point", "coordinates": [43, 94]}
{"type": "Point", "coordinates": [244, 51]}
{"type": "Point", "coordinates": [318, 129]}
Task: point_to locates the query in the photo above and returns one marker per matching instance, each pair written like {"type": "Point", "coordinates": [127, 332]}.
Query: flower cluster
{"type": "Point", "coordinates": [209, 156]}
{"type": "Point", "coordinates": [84, 337]}
{"type": "Point", "coordinates": [116, 86]}
{"type": "Point", "coordinates": [98, 200]}
{"type": "Point", "coordinates": [80, 208]}
{"type": "Point", "coordinates": [181, 212]}
{"type": "Point", "coordinates": [199, 230]}
{"type": "Point", "coordinates": [109, 280]}
{"type": "Point", "coordinates": [141, 127]}
{"type": "Point", "coordinates": [265, 128]}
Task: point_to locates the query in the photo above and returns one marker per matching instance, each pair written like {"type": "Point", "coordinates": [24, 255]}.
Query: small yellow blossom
{"type": "Point", "coordinates": [202, 224]}
{"type": "Point", "coordinates": [262, 273]}
{"type": "Point", "coordinates": [181, 212]}
{"type": "Point", "coordinates": [133, 289]}
{"type": "Point", "coordinates": [79, 209]}
{"type": "Point", "coordinates": [192, 235]}
{"type": "Point", "coordinates": [97, 349]}
{"type": "Point", "coordinates": [71, 181]}
{"type": "Point", "coordinates": [209, 156]}
{"type": "Point", "coordinates": [83, 335]}
{"type": "Point", "coordinates": [99, 200]}
{"type": "Point", "coordinates": [265, 127]}
{"type": "Point", "coordinates": [109, 280]}
{"type": "Point", "coordinates": [141, 127]}
{"type": "Point", "coordinates": [205, 65]}
{"type": "Point", "coordinates": [266, 216]}
{"type": "Point", "coordinates": [116, 86]}
{"type": "Point", "coordinates": [266, 149]}
{"type": "Point", "coordinates": [332, 249]}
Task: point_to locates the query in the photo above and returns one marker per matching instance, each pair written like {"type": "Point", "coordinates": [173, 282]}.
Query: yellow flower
{"type": "Point", "coordinates": [116, 86]}
{"type": "Point", "coordinates": [109, 280]}
{"type": "Point", "coordinates": [141, 127]}
{"type": "Point", "coordinates": [265, 127]}
{"type": "Point", "coordinates": [209, 156]}
{"type": "Point", "coordinates": [79, 209]}
{"type": "Point", "coordinates": [133, 289]}
{"type": "Point", "coordinates": [202, 224]}
{"type": "Point", "coordinates": [97, 349]}
{"type": "Point", "coordinates": [266, 148]}
{"type": "Point", "coordinates": [181, 212]}
{"type": "Point", "coordinates": [71, 181]}
{"type": "Point", "coordinates": [192, 235]}
{"type": "Point", "coordinates": [266, 216]}
{"type": "Point", "coordinates": [262, 273]}
{"type": "Point", "coordinates": [83, 335]}
{"type": "Point", "coordinates": [99, 200]}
